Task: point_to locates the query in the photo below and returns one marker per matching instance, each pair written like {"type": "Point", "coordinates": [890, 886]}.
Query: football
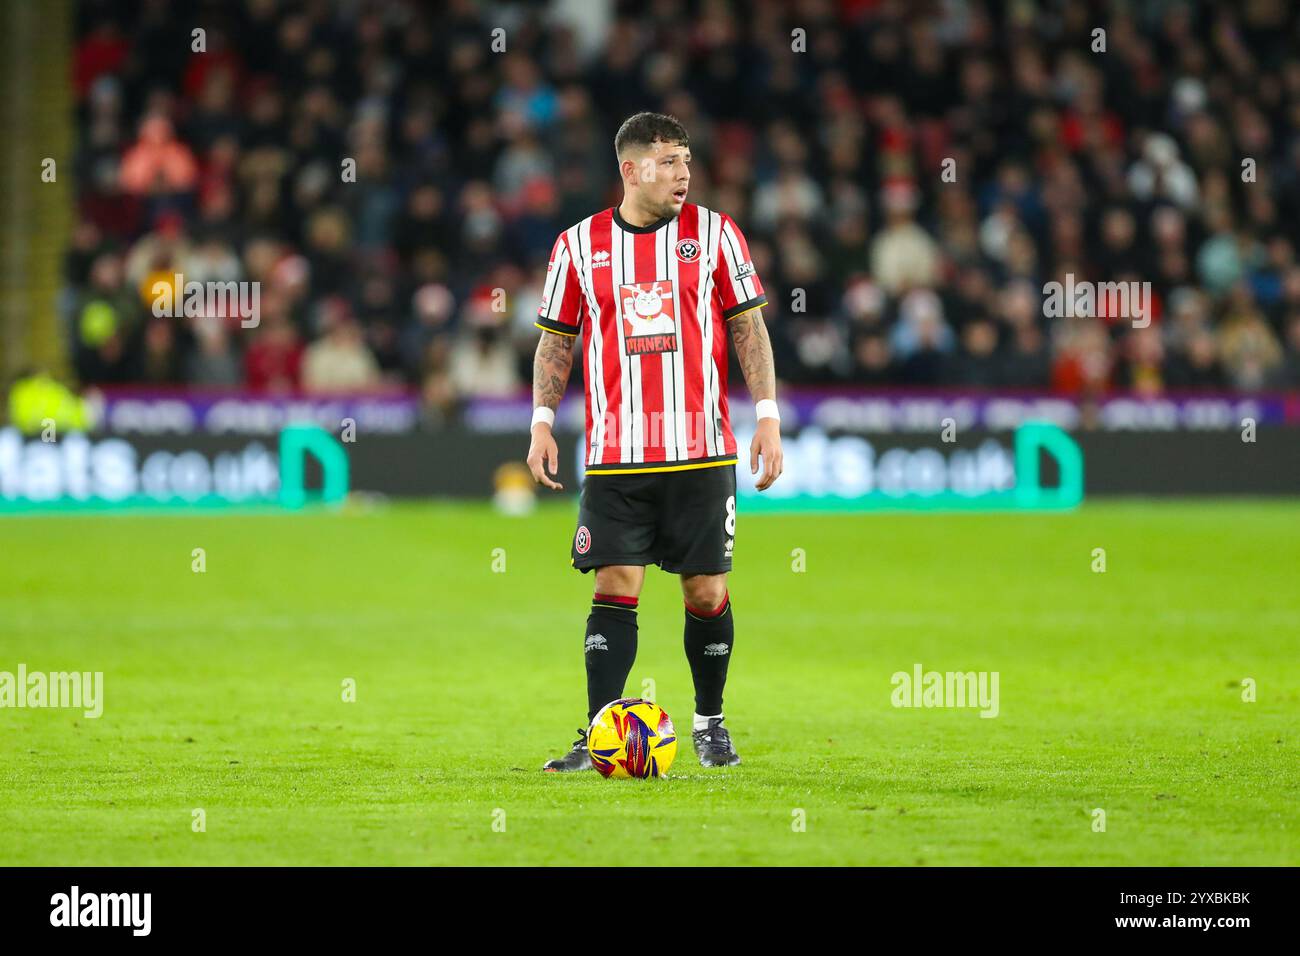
{"type": "Point", "coordinates": [632, 738]}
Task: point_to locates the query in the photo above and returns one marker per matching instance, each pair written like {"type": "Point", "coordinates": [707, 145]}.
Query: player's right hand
{"type": "Point", "coordinates": [543, 451]}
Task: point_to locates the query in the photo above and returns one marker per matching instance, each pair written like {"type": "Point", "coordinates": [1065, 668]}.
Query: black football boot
{"type": "Point", "coordinates": [576, 759]}
{"type": "Point", "coordinates": [713, 745]}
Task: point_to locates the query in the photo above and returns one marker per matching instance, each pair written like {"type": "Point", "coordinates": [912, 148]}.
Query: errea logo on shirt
{"type": "Point", "coordinates": [600, 259]}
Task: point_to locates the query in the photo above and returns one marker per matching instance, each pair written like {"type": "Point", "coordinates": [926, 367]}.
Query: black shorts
{"type": "Point", "coordinates": [683, 521]}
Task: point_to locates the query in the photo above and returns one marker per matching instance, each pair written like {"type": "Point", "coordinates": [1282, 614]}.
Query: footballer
{"type": "Point", "coordinates": [655, 287]}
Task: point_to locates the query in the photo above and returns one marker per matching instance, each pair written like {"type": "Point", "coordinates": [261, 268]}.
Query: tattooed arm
{"type": "Point", "coordinates": [551, 367]}
{"type": "Point", "coordinates": [749, 333]}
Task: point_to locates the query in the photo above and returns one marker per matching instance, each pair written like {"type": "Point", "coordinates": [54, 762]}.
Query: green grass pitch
{"type": "Point", "coordinates": [223, 691]}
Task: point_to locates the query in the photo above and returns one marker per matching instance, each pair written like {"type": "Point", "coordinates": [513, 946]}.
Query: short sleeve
{"type": "Point", "coordinates": [561, 308]}
{"type": "Point", "coordinates": [734, 278]}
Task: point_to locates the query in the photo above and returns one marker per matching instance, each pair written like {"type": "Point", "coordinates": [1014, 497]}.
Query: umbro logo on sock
{"type": "Point", "coordinates": [596, 642]}
{"type": "Point", "coordinates": [716, 650]}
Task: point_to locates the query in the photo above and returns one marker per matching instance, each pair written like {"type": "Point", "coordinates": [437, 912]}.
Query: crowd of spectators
{"type": "Point", "coordinates": [909, 176]}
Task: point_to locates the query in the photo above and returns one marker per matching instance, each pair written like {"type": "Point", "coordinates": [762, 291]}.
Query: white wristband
{"type": "Point", "coordinates": [766, 408]}
{"type": "Point", "coordinates": [543, 414]}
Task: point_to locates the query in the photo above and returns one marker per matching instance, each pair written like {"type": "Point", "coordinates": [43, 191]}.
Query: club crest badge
{"type": "Point", "coordinates": [688, 250]}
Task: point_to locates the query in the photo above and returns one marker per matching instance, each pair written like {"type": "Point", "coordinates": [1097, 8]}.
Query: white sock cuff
{"type": "Point", "coordinates": [702, 721]}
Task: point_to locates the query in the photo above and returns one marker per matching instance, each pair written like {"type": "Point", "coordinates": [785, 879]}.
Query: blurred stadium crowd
{"type": "Point", "coordinates": [1112, 166]}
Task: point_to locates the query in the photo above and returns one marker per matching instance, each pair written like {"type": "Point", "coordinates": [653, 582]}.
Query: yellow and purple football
{"type": "Point", "coordinates": [632, 738]}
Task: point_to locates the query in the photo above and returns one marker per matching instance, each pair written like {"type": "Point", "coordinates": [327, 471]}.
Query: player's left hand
{"type": "Point", "coordinates": [767, 445]}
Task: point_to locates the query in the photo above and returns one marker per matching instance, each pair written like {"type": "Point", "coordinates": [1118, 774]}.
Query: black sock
{"type": "Point", "coordinates": [708, 638]}
{"type": "Point", "coordinates": [610, 649]}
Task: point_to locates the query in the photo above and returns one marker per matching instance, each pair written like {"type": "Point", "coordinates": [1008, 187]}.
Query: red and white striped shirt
{"type": "Point", "coordinates": [653, 304]}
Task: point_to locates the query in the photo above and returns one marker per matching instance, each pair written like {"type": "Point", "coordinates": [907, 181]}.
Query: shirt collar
{"type": "Point", "coordinates": [627, 227]}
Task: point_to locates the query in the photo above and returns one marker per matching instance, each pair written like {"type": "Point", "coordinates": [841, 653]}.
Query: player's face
{"type": "Point", "coordinates": [665, 178]}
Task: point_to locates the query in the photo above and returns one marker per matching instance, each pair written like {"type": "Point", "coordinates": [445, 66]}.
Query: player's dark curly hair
{"type": "Point", "coordinates": [644, 129]}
